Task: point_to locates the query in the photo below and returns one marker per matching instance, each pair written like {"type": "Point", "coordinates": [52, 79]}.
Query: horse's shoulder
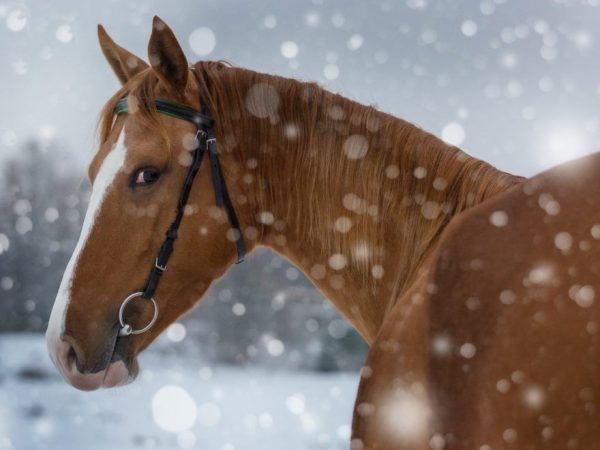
{"type": "Point", "coordinates": [565, 198]}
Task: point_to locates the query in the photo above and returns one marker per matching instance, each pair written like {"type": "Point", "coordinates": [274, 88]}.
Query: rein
{"type": "Point", "coordinates": [205, 142]}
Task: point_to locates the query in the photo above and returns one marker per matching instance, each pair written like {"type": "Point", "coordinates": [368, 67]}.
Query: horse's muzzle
{"type": "Point", "coordinates": [65, 358]}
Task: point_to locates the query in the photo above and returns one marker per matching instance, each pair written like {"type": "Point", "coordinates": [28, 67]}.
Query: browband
{"type": "Point", "coordinates": [172, 109]}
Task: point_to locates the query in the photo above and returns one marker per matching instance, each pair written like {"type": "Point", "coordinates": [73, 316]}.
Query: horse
{"type": "Point", "coordinates": [473, 287]}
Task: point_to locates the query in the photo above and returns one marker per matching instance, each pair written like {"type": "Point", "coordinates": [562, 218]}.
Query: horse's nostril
{"type": "Point", "coordinates": [71, 356]}
{"type": "Point", "coordinates": [67, 357]}
{"type": "Point", "coordinates": [63, 353]}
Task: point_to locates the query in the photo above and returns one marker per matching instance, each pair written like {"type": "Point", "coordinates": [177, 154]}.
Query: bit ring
{"type": "Point", "coordinates": [127, 329]}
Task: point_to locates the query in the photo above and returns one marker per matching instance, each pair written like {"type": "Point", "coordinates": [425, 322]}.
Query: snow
{"type": "Point", "coordinates": [534, 397]}
{"type": "Point", "coordinates": [442, 345]}
{"type": "Point", "coordinates": [356, 146]}
{"type": "Point", "coordinates": [238, 309]}
{"type": "Point", "coordinates": [406, 414]}
{"type": "Point", "coordinates": [262, 100]}
{"type": "Point", "coordinates": [202, 41]}
{"type": "Point", "coordinates": [467, 350]}
{"type": "Point", "coordinates": [420, 172]}
{"type": "Point", "coordinates": [64, 33]}
{"type": "Point", "coordinates": [582, 295]}
{"type": "Point", "coordinates": [176, 332]}
{"type": "Point", "coordinates": [563, 241]}
{"type": "Point", "coordinates": [355, 42]}
{"type": "Point", "coordinates": [343, 224]}
{"type": "Point", "coordinates": [174, 409]}
{"type": "Point", "coordinates": [507, 297]}
{"type": "Point", "coordinates": [469, 28]}
{"type": "Point", "coordinates": [16, 20]}
{"type": "Point", "coordinates": [509, 435]}
{"type": "Point", "coordinates": [541, 274]}
{"type": "Point", "coordinates": [499, 218]}
{"type": "Point", "coordinates": [270, 21]}
{"type": "Point", "coordinates": [337, 261]}
{"type": "Point", "coordinates": [377, 271]}
{"type": "Point", "coordinates": [210, 408]}
{"type": "Point", "coordinates": [392, 171]}
{"type": "Point", "coordinates": [564, 142]}
{"type": "Point", "coordinates": [547, 203]}
{"type": "Point", "coordinates": [6, 283]}
{"type": "Point", "coordinates": [23, 225]}
{"type": "Point", "coordinates": [503, 386]}
{"type": "Point", "coordinates": [453, 133]}
{"type": "Point", "coordinates": [331, 71]}
{"type": "Point", "coordinates": [289, 49]}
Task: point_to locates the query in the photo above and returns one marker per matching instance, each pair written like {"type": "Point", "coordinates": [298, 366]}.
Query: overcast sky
{"type": "Point", "coordinates": [514, 82]}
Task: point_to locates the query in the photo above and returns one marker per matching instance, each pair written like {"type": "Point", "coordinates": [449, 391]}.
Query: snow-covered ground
{"type": "Point", "coordinates": [176, 402]}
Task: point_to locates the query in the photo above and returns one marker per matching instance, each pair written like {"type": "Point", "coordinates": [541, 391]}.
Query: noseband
{"type": "Point", "coordinates": [205, 142]}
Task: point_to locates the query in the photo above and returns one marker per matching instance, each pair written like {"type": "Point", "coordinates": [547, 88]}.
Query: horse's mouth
{"type": "Point", "coordinates": [122, 351]}
{"type": "Point", "coordinates": [117, 367]}
{"type": "Point", "coordinates": [115, 372]}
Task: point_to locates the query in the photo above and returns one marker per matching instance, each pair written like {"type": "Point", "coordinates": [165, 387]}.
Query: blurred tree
{"type": "Point", "coordinates": [266, 312]}
{"type": "Point", "coordinates": [41, 211]}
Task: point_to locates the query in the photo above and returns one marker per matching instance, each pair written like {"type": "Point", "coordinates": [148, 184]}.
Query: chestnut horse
{"type": "Point", "coordinates": [480, 311]}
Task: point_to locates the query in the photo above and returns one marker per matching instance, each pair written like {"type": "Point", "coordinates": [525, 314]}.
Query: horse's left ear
{"type": "Point", "coordinates": [166, 57]}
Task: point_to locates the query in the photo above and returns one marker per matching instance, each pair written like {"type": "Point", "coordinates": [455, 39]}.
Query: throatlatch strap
{"type": "Point", "coordinates": [222, 198]}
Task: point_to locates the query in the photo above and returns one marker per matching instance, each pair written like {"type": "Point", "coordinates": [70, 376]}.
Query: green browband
{"type": "Point", "coordinates": [173, 110]}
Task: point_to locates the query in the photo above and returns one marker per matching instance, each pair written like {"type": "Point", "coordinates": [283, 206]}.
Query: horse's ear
{"type": "Point", "coordinates": [166, 57]}
{"type": "Point", "coordinates": [124, 63]}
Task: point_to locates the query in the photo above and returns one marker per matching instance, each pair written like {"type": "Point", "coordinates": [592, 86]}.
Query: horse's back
{"type": "Point", "coordinates": [514, 315]}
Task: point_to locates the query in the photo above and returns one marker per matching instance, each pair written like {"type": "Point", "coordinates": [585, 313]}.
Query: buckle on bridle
{"type": "Point", "coordinates": [159, 267]}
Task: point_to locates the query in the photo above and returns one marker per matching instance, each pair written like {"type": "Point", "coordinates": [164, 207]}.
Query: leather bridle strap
{"type": "Point", "coordinates": [205, 140]}
{"type": "Point", "coordinates": [222, 198]}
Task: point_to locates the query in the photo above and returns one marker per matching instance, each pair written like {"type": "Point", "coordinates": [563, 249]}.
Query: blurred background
{"type": "Point", "coordinates": [264, 362]}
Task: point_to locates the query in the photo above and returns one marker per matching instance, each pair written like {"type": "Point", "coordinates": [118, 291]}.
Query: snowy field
{"type": "Point", "coordinates": [176, 402]}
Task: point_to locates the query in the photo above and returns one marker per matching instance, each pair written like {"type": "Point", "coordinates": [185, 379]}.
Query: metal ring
{"type": "Point", "coordinates": [127, 329]}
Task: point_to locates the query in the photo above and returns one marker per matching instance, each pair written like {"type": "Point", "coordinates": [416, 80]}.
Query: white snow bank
{"type": "Point", "coordinates": [211, 407]}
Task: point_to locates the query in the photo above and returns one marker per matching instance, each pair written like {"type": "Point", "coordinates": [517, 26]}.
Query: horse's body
{"type": "Point", "coordinates": [500, 336]}
{"type": "Point", "coordinates": [358, 200]}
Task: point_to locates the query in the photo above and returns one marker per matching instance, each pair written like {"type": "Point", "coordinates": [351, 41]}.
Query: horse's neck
{"type": "Point", "coordinates": [354, 197]}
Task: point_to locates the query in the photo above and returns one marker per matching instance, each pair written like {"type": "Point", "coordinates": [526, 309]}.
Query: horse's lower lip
{"type": "Point", "coordinates": [116, 374]}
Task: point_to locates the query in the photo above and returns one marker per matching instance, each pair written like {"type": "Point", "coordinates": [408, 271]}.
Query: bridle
{"type": "Point", "coordinates": [205, 141]}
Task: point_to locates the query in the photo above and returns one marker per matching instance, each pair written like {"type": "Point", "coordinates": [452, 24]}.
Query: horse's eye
{"type": "Point", "coordinates": [146, 176]}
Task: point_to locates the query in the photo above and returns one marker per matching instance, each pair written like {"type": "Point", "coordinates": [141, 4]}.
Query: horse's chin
{"type": "Point", "coordinates": [120, 373]}
{"type": "Point", "coordinates": [116, 374]}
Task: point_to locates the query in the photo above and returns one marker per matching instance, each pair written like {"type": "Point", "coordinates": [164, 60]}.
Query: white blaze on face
{"type": "Point", "coordinates": [106, 175]}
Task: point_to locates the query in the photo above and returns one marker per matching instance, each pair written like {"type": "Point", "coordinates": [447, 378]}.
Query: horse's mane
{"type": "Point", "coordinates": [404, 168]}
